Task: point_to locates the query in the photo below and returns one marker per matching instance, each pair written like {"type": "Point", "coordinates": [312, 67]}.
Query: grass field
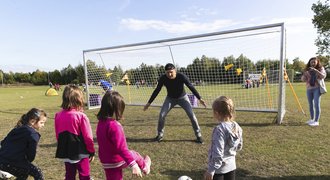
{"type": "Point", "coordinates": [291, 150]}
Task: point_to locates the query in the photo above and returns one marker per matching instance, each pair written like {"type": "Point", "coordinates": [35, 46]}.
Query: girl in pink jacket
{"type": "Point", "coordinates": [113, 151]}
{"type": "Point", "coordinates": [74, 136]}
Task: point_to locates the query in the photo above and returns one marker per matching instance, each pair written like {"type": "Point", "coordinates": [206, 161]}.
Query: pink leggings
{"type": "Point", "coordinates": [83, 169]}
{"type": "Point", "coordinates": [117, 173]}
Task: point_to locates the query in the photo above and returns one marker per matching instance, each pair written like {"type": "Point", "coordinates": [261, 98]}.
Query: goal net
{"type": "Point", "coordinates": [245, 64]}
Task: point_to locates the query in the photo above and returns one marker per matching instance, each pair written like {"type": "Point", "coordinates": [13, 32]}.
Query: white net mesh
{"type": "Point", "coordinates": [242, 64]}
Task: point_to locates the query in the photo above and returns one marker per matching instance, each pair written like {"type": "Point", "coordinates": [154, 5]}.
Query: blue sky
{"type": "Point", "coordinates": [49, 34]}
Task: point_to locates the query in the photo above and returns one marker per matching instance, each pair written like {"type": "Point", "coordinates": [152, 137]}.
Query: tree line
{"type": "Point", "coordinates": [203, 68]}
{"type": "Point", "coordinates": [68, 75]}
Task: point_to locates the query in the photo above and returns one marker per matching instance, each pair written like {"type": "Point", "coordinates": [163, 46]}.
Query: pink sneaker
{"type": "Point", "coordinates": [146, 169]}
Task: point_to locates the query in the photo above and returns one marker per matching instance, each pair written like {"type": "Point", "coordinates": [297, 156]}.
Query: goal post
{"type": "Point", "coordinates": [245, 64]}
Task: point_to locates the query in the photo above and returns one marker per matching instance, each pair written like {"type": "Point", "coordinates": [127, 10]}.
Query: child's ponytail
{"type": "Point", "coordinates": [34, 113]}
{"type": "Point", "coordinates": [23, 121]}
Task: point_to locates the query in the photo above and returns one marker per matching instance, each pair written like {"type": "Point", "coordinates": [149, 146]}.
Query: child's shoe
{"type": "Point", "coordinates": [315, 123]}
{"type": "Point", "coordinates": [159, 138]}
{"type": "Point", "coordinates": [146, 169]}
{"type": "Point", "coordinates": [310, 121]}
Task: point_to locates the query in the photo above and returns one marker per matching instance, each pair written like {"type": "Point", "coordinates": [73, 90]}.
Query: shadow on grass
{"type": "Point", "coordinates": [21, 113]}
{"type": "Point", "coordinates": [246, 175]}
{"type": "Point", "coordinates": [257, 124]}
{"type": "Point", "coordinates": [240, 174]}
{"type": "Point", "coordinates": [243, 124]}
{"type": "Point", "coordinates": [10, 112]}
{"type": "Point", "coordinates": [144, 140]}
{"type": "Point", "coordinates": [48, 145]}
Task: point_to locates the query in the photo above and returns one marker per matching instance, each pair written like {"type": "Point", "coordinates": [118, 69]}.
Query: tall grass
{"type": "Point", "coordinates": [291, 150]}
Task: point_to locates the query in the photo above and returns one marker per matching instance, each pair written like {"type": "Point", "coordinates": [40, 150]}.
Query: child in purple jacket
{"type": "Point", "coordinates": [113, 151]}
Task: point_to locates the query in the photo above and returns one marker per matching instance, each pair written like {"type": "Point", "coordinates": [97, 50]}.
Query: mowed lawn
{"type": "Point", "coordinates": [291, 150]}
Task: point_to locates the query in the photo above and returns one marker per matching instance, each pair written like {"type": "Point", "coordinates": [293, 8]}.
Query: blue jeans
{"type": "Point", "coordinates": [184, 102]}
{"type": "Point", "coordinates": [314, 100]}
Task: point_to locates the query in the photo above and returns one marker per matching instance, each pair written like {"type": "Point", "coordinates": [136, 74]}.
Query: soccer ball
{"type": "Point", "coordinates": [184, 178]}
{"type": "Point", "coordinates": [5, 175]}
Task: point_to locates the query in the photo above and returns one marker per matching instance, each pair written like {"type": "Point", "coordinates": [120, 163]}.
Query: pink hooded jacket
{"type": "Point", "coordinates": [113, 150]}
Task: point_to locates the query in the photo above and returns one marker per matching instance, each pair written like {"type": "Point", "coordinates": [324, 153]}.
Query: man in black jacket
{"type": "Point", "coordinates": [176, 95]}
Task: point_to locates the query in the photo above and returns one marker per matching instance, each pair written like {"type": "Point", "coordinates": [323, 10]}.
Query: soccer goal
{"type": "Point", "coordinates": [245, 64]}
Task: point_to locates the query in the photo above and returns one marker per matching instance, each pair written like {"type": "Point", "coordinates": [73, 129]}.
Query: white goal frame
{"type": "Point", "coordinates": [92, 77]}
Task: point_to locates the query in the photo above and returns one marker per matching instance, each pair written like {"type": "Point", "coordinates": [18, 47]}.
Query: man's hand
{"type": "Point", "coordinates": [202, 102]}
{"type": "Point", "coordinates": [146, 106]}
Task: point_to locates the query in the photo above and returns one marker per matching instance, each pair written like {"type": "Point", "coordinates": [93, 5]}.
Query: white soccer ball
{"type": "Point", "coordinates": [184, 178]}
{"type": "Point", "coordinates": [5, 175]}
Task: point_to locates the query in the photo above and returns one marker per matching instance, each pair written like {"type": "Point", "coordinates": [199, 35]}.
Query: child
{"type": "Point", "coordinates": [226, 140]}
{"type": "Point", "coordinates": [74, 136]}
{"type": "Point", "coordinates": [113, 151]}
{"type": "Point", "coordinates": [19, 147]}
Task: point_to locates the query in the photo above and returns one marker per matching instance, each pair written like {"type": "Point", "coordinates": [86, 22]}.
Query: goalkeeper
{"type": "Point", "coordinates": [176, 95]}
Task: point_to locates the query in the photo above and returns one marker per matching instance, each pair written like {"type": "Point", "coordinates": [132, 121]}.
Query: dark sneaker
{"type": "Point", "coordinates": [200, 140]}
{"type": "Point", "coordinates": [159, 138]}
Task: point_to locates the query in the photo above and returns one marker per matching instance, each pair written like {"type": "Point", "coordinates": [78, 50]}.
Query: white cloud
{"type": "Point", "coordinates": [300, 31]}
{"type": "Point", "coordinates": [176, 27]}
{"type": "Point", "coordinates": [195, 12]}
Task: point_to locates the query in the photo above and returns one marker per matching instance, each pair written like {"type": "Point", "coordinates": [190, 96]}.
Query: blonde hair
{"type": "Point", "coordinates": [224, 106]}
{"type": "Point", "coordinates": [73, 97]}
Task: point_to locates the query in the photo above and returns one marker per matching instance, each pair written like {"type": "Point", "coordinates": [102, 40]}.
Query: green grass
{"type": "Point", "coordinates": [291, 150]}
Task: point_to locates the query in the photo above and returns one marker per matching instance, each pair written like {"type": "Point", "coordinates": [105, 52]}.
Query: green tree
{"type": "Point", "coordinates": [244, 63]}
{"type": "Point", "coordinates": [22, 77]}
{"type": "Point", "coordinates": [69, 75]}
{"type": "Point", "coordinates": [1, 77]}
{"type": "Point", "coordinates": [8, 78]}
{"type": "Point", "coordinates": [39, 77]}
{"type": "Point", "coordinates": [55, 77]}
{"type": "Point", "coordinates": [324, 60]}
{"type": "Point", "coordinates": [298, 65]}
{"type": "Point", "coordinates": [149, 74]}
{"type": "Point", "coordinates": [321, 21]}
{"type": "Point", "coordinates": [80, 73]}
{"type": "Point", "coordinates": [117, 74]}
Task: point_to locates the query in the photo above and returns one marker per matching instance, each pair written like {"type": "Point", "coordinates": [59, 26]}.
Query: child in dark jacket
{"type": "Point", "coordinates": [19, 147]}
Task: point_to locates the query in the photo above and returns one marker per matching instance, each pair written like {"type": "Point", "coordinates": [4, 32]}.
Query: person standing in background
{"type": "Point", "coordinates": [314, 74]}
